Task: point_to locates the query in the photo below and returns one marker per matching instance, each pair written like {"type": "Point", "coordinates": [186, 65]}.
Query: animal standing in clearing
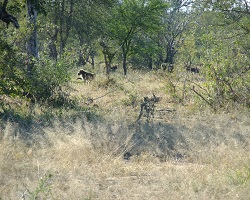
{"type": "Point", "coordinates": [86, 76]}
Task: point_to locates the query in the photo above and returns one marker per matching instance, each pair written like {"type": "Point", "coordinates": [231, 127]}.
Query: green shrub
{"type": "Point", "coordinates": [241, 176]}
{"type": "Point", "coordinates": [46, 81]}
{"type": "Point", "coordinates": [42, 191]}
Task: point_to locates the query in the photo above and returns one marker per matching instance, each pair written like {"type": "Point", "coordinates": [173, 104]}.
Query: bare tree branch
{"type": "Point", "coordinates": [5, 4]}
{"type": "Point", "coordinates": [6, 17]}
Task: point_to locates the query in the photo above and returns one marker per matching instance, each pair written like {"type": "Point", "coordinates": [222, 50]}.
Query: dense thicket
{"type": "Point", "coordinates": [53, 36]}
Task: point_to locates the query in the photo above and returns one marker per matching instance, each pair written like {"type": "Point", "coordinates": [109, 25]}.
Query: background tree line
{"type": "Point", "coordinates": [40, 41]}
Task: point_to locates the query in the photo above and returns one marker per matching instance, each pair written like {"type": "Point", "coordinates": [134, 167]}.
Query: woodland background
{"type": "Point", "coordinates": [171, 122]}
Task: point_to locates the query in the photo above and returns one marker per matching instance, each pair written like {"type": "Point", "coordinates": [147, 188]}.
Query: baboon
{"type": "Point", "coordinates": [165, 66]}
{"type": "Point", "coordinates": [86, 76]}
{"type": "Point", "coordinates": [194, 70]}
{"type": "Point", "coordinates": [113, 68]}
{"type": "Point", "coordinates": [127, 155]}
{"type": "Point", "coordinates": [170, 68]}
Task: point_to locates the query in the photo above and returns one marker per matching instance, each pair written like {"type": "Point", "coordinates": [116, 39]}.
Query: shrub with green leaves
{"type": "Point", "coordinates": [44, 83]}
{"type": "Point", "coordinates": [10, 70]}
{"type": "Point", "coordinates": [47, 79]}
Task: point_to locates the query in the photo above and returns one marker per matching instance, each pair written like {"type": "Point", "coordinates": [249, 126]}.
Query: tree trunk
{"type": "Point", "coordinates": [92, 60]}
{"type": "Point", "coordinates": [124, 64]}
{"type": "Point", "coordinates": [53, 51]}
{"type": "Point", "coordinates": [32, 45]}
{"type": "Point", "coordinates": [61, 27]}
{"type": "Point", "coordinates": [65, 24]}
{"type": "Point", "coordinates": [108, 56]}
{"type": "Point", "coordinates": [81, 60]}
{"type": "Point", "coordinates": [124, 61]}
{"type": "Point", "coordinates": [52, 45]}
{"type": "Point", "coordinates": [150, 62]}
{"type": "Point", "coordinates": [170, 54]}
{"type": "Point", "coordinates": [107, 64]}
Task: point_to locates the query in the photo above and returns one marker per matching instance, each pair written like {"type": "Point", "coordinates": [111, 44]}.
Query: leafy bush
{"type": "Point", "coordinates": [10, 70]}
{"type": "Point", "coordinates": [46, 80]}
{"type": "Point", "coordinates": [228, 84]}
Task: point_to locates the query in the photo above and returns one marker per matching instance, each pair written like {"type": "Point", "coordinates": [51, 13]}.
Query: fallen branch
{"type": "Point", "coordinates": [166, 110]}
{"type": "Point", "coordinates": [91, 100]}
{"type": "Point", "coordinates": [104, 95]}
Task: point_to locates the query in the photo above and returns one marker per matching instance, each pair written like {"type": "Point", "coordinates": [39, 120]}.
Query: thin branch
{"type": "Point", "coordinates": [4, 5]}
{"type": "Point", "coordinates": [104, 95]}
{"type": "Point", "coordinates": [209, 103]}
{"type": "Point", "coordinates": [247, 7]}
{"type": "Point", "coordinates": [166, 110]}
{"type": "Point", "coordinates": [199, 86]}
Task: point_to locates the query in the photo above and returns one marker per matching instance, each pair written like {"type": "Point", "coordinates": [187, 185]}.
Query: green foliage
{"type": "Point", "coordinates": [14, 6]}
{"type": "Point", "coordinates": [44, 84]}
{"type": "Point", "coordinates": [39, 5]}
{"type": "Point", "coordinates": [144, 51]}
{"type": "Point", "coordinates": [43, 190]}
{"type": "Point", "coordinates": [22, 115]}
{"type": "Point", "coordinates": [133, 100]}
{"type": "Point", "coordinates": [131, 19]}
{"type": "Point", "coordinates": [189, 52]}
{"type": "Point", "coordinates": [10, 74]}
{"type": "Point", "coordinates": [228, 85]}
{"type": "Point", "coordinates": [221, 45]}
{"type": "Point", "coordinates": [214, 36]}
{"type": "Point", "coordinates": [47, 79]}
{"type": "Point", "coordinates": [241, 176]}
{"type": "Point", "coordinates": [175, 87]}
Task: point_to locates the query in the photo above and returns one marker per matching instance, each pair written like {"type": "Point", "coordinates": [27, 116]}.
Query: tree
{"type": "Point", "coordinates": [175, 22]}
{"type": "Point", "coordinates": [223, 42]}
{"type": "Point", "coordinates": [131, 17]}
{"type": "Point", "coordinates": [87, 26]}
{"type": "Point", "coordinates": [145, 50]}
{"type": "Point", "coordinates": [32, 44]}
{"type": "Point", "coordinates": [109, 54]}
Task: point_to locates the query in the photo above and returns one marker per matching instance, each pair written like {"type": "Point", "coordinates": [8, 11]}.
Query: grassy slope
{"type": "Point", "coordinates": [184, 154]}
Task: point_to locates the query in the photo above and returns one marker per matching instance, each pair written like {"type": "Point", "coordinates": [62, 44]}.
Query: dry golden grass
{"type": "Point", "coordinates": [183, 154]}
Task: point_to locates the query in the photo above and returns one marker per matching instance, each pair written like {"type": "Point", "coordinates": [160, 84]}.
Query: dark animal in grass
{"type": "Point", "coordinates": [194, 70]}
{"type": "Point", "coordinates": [113, 68]}
{"type": "Point", "coordinates": [169, 67]}
{"type": "Point", "coordinates": [86, 76]}
{"type": "Point", "coordinates": [127, 155]}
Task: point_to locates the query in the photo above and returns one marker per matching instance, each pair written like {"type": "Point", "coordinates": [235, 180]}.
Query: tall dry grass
{"type": "Point", "coordinates": [182, 154]}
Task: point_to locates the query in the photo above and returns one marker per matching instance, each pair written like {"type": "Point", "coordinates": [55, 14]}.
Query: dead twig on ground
{"type": "Point", "coordinates": [91, 100]}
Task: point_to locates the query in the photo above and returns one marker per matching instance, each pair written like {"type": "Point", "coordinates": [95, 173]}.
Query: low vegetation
{"type": "Point", "coordinates": [184, 151]}
{"type": "Point", "coordinates": [145, 99]}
